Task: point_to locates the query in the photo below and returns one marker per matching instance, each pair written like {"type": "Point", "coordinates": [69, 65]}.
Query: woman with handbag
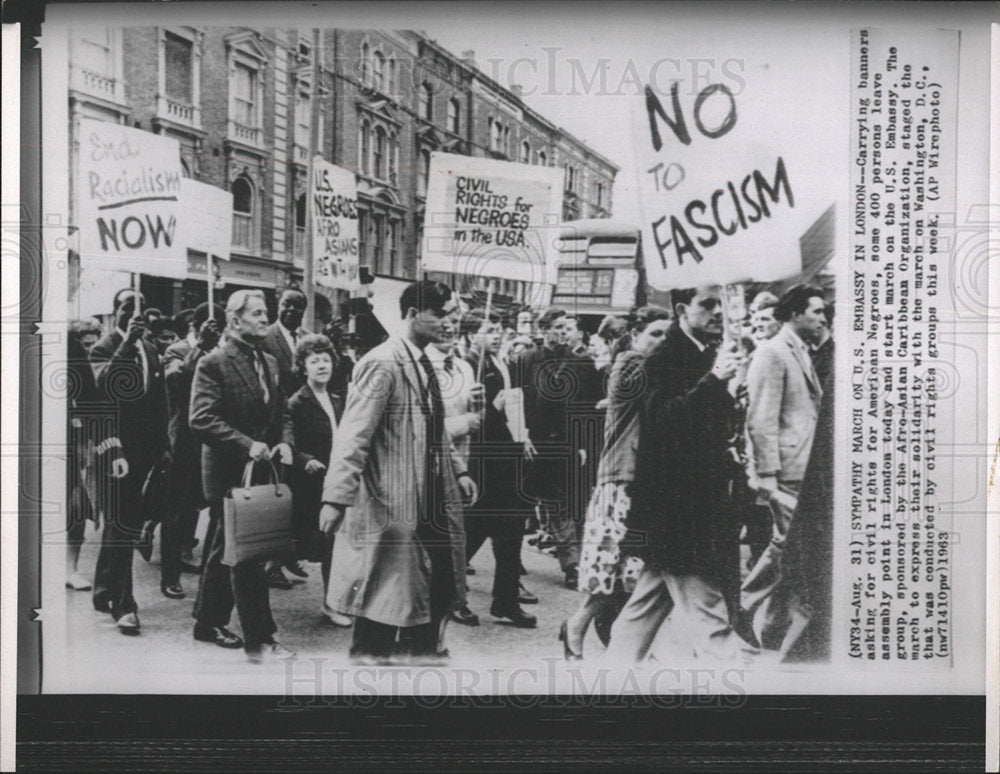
{"type": "Point", "coordinates": [315, 412]}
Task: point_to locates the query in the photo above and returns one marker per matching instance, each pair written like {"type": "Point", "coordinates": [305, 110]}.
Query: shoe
{"type": "Point", "coordinates": [190, 569]}
{"type": "Point", "coordinates": [144, 545]}
{"type": "Point", "coordinates": [470, 570]}
{"type": "Point", "coordinates": [524, 596]}
{"type": "Point", "coordinates": [172, 590]}
{"type": "Point", "coordinates": [217, 635]}
{"type": "Point", "coordinates": [568, 654]}
{"type": "Point", "coordinates": [296, 569]}
{"type": "Point", "coordinates": [276, 579]}
{"type": "Point", "coordinates": [572, 578]}
{"type": "Point", "coordinates": [338, 619]}
{"type": "Point", "coordinates": [128, 624]}
{"type": "Point", "coordinates": [78, 583]}
{"type": "Point", "coordinates": [515, 615]}
{"type": "Point", "coordinates": [269, 652]}
{"type": "Point", "coordinates": [465, 616]}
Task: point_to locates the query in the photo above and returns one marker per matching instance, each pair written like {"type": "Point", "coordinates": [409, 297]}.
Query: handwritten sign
{"type": "Point", "coordinates": [720, 200]}
{"type": "Point", "coordinates": [206, 218]}
{"type": "Point", "coordinates": [128, 200]}
{"type": "Point", "coordinates": [334, 201]}
{"type": "Point", "coordinates": [492, 218]}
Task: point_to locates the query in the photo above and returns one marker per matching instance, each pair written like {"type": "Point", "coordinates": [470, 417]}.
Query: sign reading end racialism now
{"type": "Point", "coordinates": [491, 218]}
{"type": "Point", "coordinates": [129, 200]}
{"type": "Point", "coordinates": [718, 195]}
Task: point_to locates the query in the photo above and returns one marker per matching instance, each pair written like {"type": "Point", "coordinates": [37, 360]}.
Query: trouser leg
{"type": "Point", "coordinates": [506, 539]}
{"type": "Point", "coordinates": [706, 617]}
{"type": "Point", "coordinates": [253, 604]}
{"type": "Point", "coordinates": [371, 638]}
{"type": "Point", "coordinates": [214, 604]}
{"type": "Point", "coordinates": [563, 531]}
{"type": "Point", "coordinates": [637, 624]}
{"type": "Point", "coordinates": [327, 561]}
{"type": "Point", "coordinates": [123, 524]}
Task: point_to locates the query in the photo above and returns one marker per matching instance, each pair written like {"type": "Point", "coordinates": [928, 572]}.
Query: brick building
{"type": "Point", "coordinates": [239, 102]}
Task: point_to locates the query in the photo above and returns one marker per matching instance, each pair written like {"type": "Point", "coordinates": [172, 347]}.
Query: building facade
{"type": "Point", "coordinates": [240, 103]}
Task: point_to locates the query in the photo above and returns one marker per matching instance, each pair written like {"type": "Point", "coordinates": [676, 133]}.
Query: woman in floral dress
{"type": "Point", "coordinates": [603, 572]}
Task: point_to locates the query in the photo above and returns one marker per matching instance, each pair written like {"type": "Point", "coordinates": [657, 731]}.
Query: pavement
{"type": "Point", "coordinates": [166, 648]}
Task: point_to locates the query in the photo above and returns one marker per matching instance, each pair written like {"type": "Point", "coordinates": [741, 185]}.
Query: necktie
{"type": "Point", "coordinates": [435, 431]}
{"type": "Point", "coordinates": [261, 368]}
{"type": "Point", "coordinates": [449, 363]}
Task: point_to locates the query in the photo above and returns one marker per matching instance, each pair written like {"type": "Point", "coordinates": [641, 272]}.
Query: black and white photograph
{"type": "Point", "coordinates": [497, 352]}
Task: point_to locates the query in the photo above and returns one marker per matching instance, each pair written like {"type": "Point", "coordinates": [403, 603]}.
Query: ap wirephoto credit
{"type": "Point", "coordinates": [499, 353]}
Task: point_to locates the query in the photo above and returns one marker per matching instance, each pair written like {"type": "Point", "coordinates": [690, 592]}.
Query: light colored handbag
{"type": "Point", "coordinates": [257, 520]}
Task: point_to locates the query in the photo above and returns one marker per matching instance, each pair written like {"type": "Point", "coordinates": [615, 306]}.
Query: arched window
{"type": "Point", "coordinates": [378, 160]}
{"type": "Point", "coordinates": [454, 115]}
{"type": "Point", "coordinates": [364, 149]}
{"type": "Point", "coordinates": [425, 172]}
{"type": "Point", "coordinates": [525, 153]}
{"type": "Point", "coordinates": [425, 105]}
{"type": "Point", "coordinates": [378, 70]}
{"type": "Point", "coordinates": [242, 190]}
{"type": "Point", "coordinates": [391, 86]}
{"type": "Point", "coordinates": [365, 65]}
{"type": "Point", "coordinates": [543, 159]}
{"type": "Point", "coordinates": [393, 158]}
{"type": "Point", "coordinates": [378, 232]}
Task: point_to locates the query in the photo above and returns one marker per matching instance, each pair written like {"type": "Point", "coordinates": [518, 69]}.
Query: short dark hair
{"type": "Point", "coordinates": [88, 325]}
{"type": "Point", "coordinates": [473, 320]}
{"type": "Point", "coordinates": [293, 292]}
{"type": "Point", "coordinates": [644, 315]}
{"type": "Point", "coordinates": [423, 295]}
{"type": "Point", "coordinates": [201, 314]}
{"type": "Point", "coordinates": [312, 344]}
{"type": "Point", "coordinates": [682, 296]}
{"type": "Point", "coordinates": [159, 325]}
{"type": "Point", "coordinates": [119, 300]}
{"type": "Point", "coordinates": [549, 316]}
{"type": "Point", "coordinates": [795, 301]}
{"type": "Point", "coordinates": [611, 327]}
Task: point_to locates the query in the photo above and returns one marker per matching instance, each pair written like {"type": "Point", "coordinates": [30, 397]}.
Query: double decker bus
{"type": "Point", "coordinates": [600, 269]}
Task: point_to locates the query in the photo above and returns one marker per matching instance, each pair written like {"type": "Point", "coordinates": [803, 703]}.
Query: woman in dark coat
{"type": "Point", "coordinates": [315, 412]}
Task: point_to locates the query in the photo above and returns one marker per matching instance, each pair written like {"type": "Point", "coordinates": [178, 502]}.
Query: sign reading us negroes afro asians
{"type": "Point", "coordinates": [491, 218]}
{"type": "Point", "coordinates": [334, 202]}
{"type": "Point", "coordinates": [718, 191]}
{"type": "Point", "coordinates": [129, 200]}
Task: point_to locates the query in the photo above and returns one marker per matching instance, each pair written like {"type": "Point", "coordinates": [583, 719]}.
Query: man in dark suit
{"type": "Point", "coordinates": [130, 379]}
{"type": "Point", "coordinates": [682, 524]}
{"type": "Point", "coordinates": [282, 336]}
{"type": "Point", "coordinates": [239, 414]}
{"type": "Point", "coordinates": [179, 363]}
{"type": "Point", "coordinates": [546, 376]}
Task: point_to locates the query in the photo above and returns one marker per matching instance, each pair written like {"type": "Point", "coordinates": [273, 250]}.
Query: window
{"type": "Point", "coordinates": [525, 152]}
{"type": "Point", "coordinates": [363, 237]}
{"type": "Point", "coordinates": [366, 72]}
{"type": "Point", "coordinates": [505, 147]}
{"type": "Point", "coordinates": [378, 226]}
{"type": "Point", "coordinates": [177, 57]}
{"type": "Point", "coordinates": [97, 51]}
{"type": "Point", "coordinates": [242, 191]}
{"type": "Point", "coordinates": [425, 172]}
{"type": "Point", "coordinates": [599, 194]}
{"type": "Point", "coordinates": [245, 96]}
{"type": "Point", "coordinates": [570, 178]}
{"type": "Point", "coordinates": [365, 148]}
{"type": "Point", "coordinates": [378, 71]}
{"type": "Point", "coordinates": [393, 245]}
{"type": "Point", "coordinates": [496, 136]}
{"type": "Point", "coordinates": [300, 226]}
{"type": "Point", "coordinates": [425, 105]}
{"type": "Point", "coordinates": [378, 160]}
{"type": "Point", "coordinates": [454, 112]}
{"type": "Point", "coordinates": [543, 159]}
{"type": "Point", "coordinates": [305, 49]}
{"type": "Point", "coordinates": [391, 86]}
{"type": "Point", "coordinates": [393, 158]}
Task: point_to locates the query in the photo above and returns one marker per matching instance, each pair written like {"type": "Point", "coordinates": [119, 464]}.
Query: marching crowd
{"type": "Point", "coordinates": [641, 457]}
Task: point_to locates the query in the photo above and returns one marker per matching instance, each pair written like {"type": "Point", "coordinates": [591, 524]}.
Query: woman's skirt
{"type": "Point", "coordinates": [603, 569]}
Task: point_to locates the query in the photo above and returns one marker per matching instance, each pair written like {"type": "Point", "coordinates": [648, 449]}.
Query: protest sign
{"type": "Point", "coordinates": [128, 200]}
{"type": "Point", "coordinates": [721, 194]}
{"type": "Point", "coordinates": [333, 197]}
{"type": "Point", "coordinates": [492, 218]}
{"type": "Point", "coordinates": [206, 223]}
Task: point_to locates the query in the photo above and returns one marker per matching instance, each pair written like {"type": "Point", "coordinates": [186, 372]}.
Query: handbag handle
{"type": "Point", "coordinates": [248, 475]}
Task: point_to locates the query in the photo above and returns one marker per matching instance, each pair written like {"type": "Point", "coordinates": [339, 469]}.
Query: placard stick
{"type": "Point", "coordinates": [486, 321]}
{"type": "Point", "coordinates": [211, 286]}
{"type": "Point", "coordinates": [137, 307]}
